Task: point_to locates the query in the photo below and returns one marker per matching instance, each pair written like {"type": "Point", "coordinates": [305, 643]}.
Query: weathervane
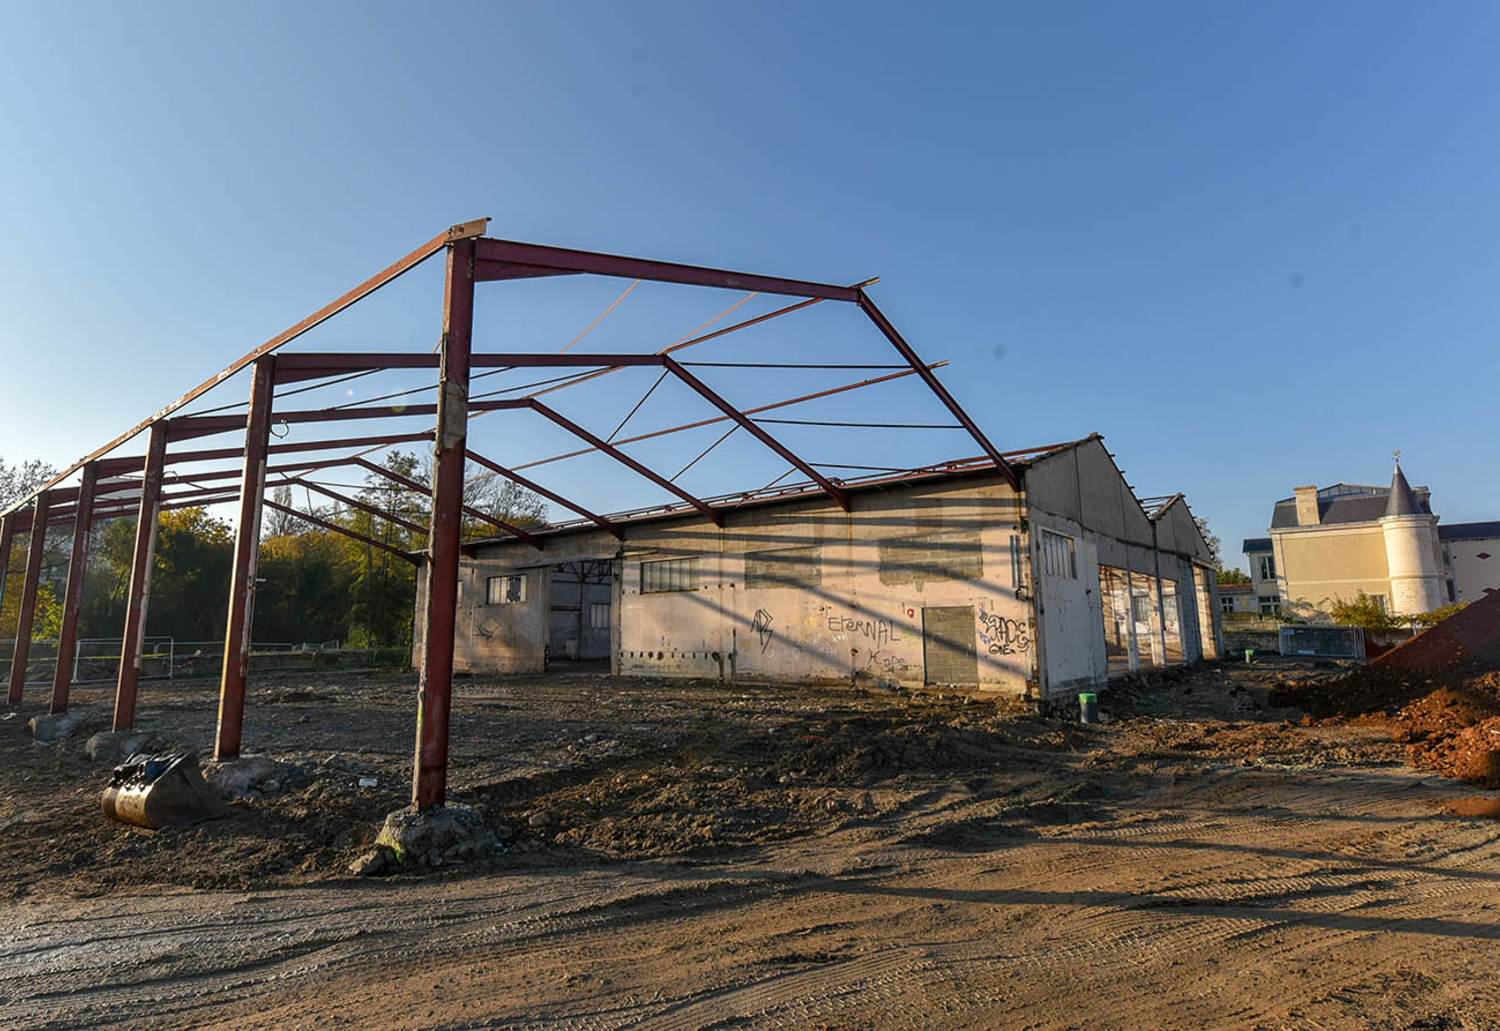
{"type": "Point", "coordinates": [1396, 454]}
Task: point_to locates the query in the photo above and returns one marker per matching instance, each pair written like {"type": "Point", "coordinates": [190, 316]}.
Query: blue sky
{"type": "Point", "coordinates": [1253, 245]}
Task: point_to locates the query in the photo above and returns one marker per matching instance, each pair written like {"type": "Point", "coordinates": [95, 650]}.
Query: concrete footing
{"type": "Point", "coordinates": [434, 837]}
{"type": "Point", "coordinates": [115, 746]}
{"type": "Point", "coordinates": [49, 728]}
{"type": "Point", "coordinates": [249, 776]}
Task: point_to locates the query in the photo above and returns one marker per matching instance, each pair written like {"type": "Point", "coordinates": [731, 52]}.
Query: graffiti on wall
{"type": "Point", "coordinates": [881, 631]}
{"type": "Point", "coordinates": [761, 625]}
{"type": "Point", "coordinates": [1002, 635]}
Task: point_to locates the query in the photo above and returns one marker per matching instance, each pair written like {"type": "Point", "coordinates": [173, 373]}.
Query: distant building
{"type": "Point", "coordinates": [1237, 599]}
{"type": "Point", "coordinates": [1329, 544]}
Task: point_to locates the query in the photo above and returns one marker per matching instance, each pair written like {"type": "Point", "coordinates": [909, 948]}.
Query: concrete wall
{"type": "Point", "coordinates": [931, 583]}
{"type": "Point", "coordinates": [858, 591]}
{"type": "Point", "coordinates": [1082, 494]}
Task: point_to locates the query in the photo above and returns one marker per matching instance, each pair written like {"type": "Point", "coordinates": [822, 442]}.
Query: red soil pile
{"type": "Point", "coordinates": [1448, 720]}
{"type": "Point", "coordinates": [1469, 637]}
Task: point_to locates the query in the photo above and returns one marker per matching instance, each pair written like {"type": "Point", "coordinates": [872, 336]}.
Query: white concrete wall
{"type": "Point", "coordinates": [1081, 492]}
{"type": "Point", "coordinates": [878, 567]}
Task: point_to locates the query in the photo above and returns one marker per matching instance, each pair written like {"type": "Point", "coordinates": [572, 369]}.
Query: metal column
{"type": "Point", "coordinates": [39, 513]}
{"type": "Point", "coordinates": [140, 579]}
{"type": "Point", "coordinates": [1134, 651]}
{"type": "Point", "coordinates": [434, 691]}
{"type": "Point", "coordinates": [67, 638]}
{"type": "Point", "coordinates": [246, 558]}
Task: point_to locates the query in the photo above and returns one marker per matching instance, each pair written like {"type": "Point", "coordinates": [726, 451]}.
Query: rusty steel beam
{"type": "Point", "coordinates": [435, 686]}
{"type": "Point", "coordinates": [344, 530]}
{"type": "Point", "coordinates": [713, 515]}
{"type": "Point", "coordinates": [236, 669]}
{"type": "Point", "coordinates": [463, 231]}
{"type": "Point", "coordinates": [138, 594]}
{"type": "Point", "coordinates": [562, 260]}
{"type": "Point", "coordinates": [837, 493]}
{"type": "Point", "coordinates": [935, 385]}
{"type": "Point", "coordinates": [356, 503]}
{"type": "Point", "coordinates": [29, 586]}
{"type": "Point", "coordinates": [530, 538]}
{"type": "Point", "coordinates": [67, 638]}
{"type": "Point", "coordinates": [537, 488]}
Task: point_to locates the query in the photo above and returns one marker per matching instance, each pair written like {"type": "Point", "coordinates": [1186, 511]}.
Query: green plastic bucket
{"type": "Point", "coordinates": [1088, 708]}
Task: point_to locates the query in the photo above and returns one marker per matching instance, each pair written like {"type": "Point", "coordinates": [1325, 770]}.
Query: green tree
{"type": "Point", "coordinates": [1436, 616]}
{"type": "Point", "coordinates": [1232, 575]}
{"type": "Point", "coordinates": [1364, 611]}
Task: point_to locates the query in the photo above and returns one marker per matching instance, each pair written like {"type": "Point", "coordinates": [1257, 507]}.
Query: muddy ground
{"type": "Point", "coordinates": [707, 855]}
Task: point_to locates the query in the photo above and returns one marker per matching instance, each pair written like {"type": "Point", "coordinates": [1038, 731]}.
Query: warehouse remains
{"type": "Point", "coordinates": [1028, 572]}
{"type": "Point", "coordinates": [938, 577]}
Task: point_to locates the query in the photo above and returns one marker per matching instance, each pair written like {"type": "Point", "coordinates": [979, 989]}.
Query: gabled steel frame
{"type": "Point", "coordinates": [471, 258]}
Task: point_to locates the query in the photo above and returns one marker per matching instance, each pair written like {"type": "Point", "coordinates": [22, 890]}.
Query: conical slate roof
{"type": "Point", "coordinates": [1401, 501]}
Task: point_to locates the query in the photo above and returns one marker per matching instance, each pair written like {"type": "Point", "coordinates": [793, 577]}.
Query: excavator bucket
{"type": "Point", "coordinates": [161, 791]}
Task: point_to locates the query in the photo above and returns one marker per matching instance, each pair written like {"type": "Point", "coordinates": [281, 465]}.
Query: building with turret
{"type": "Point", "coordinates": [1328, 544]}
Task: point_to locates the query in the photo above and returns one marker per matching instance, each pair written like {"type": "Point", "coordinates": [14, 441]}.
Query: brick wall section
{"type": "Point", "coordinates": [1472, 634]}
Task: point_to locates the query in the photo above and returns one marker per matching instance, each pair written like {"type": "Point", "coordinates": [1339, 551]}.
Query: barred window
{"type": "Point", "coordinates": [669, 574]}
{"type": "Point", "coordinates": [505, 590]}
{"type": "Point", "coordinates": [599, 615]}
{"type": "Point", "coordinates": [1057, 556]}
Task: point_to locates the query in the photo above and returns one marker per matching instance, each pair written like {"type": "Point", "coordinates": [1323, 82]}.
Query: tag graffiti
{"type": "Point", "coordinates": [1003, 636]}
{"type": "Point", "coordinates": [762, 627]}
{"type": "Point", "coordinates": [878, 630]}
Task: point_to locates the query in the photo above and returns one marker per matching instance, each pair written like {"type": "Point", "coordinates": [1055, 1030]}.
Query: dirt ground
{"type": "Point", "coordinates": [688, 855]}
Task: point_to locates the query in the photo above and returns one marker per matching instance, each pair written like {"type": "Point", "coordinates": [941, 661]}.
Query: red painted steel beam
{"type": "Point", "coordinates": [207, 425]}
{"type": "Point", "coordinates": [462, 231]}
{"type": "Point", "coordinates": [356, 503]}
{"type": "Point", "coordinates": [530, 485]}
{"type": "Point", "coordinates": [78, 559]}
{"type": "Point", "coordinates": [560, 260]}
{"type": "Point", "coordinates": [29, 586]}
{"type": "Point", "coordinates": [712, 514]}
{"type": "Point", "coordinates": [905, 350]}
{"type": "Point", "coordinates": [530, 538]}
{"type": "Point", "coordinates": [344, 530]}
{"type": "Point", "coordinates": [489, 271]}
{"type": "Point", "coordinates": [435, 686]}
{"type": "Point", "coordinates": [138, 594]}
{"type": "Point", "coordinates": [236, 670]}
{"type": "Point", "coordinates": [837, 493]}
{"type": "Point", "coordinates": [306, 364]}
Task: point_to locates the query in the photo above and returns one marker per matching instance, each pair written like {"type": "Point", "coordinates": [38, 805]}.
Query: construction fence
{"type": "Point", "coordinates": [97, 660]}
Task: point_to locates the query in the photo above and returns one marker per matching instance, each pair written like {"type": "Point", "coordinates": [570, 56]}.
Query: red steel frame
{"type": "Point", "coordinates": [470, 258]}
{"type": "Point", "coordinates": [83, 521]}
{"type": "Point", "coordinates": [139, 594]}
{"type": "Point", "coordinates": [246, 558]}
{"type": "Point", "coordinates": [435, 686]}
{"type": "Point", "coordinates": [27, 612]}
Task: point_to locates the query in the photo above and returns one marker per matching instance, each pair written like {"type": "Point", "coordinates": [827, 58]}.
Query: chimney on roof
{"type": "Point", "coordinates": [1307, 506]}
